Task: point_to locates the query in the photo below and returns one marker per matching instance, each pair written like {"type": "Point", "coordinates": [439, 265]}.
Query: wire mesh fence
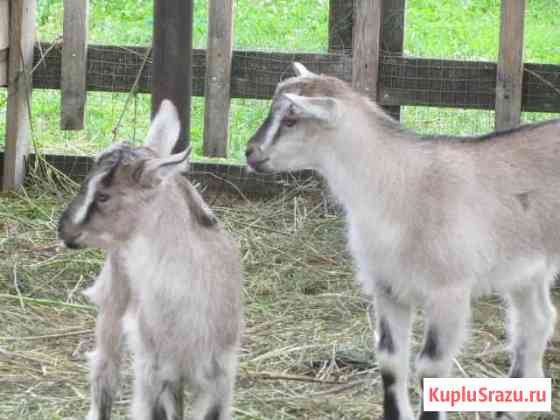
{"type": "Point", "coordinates": [446, 77]}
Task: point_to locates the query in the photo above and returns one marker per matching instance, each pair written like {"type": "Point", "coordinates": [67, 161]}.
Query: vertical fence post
{"type": "Point", "coordinates": [20, 62]}
{"type": "Point", "coordinates": [4, 38]}
{"type": "Point", "coordinates": [392, 37]}
{"type": "Point", "coordinates": [172, 61]}
{"type": "Point", "coordinates": [218, 77]}
{"type": "Point", "coordinates": [73, 68]}
{"type": "Point", "coordinates": [366, 46]}
{"type": "Point", "coordinates": [509, 81]}
{"type": "Point", "coordinates": [340, 25]}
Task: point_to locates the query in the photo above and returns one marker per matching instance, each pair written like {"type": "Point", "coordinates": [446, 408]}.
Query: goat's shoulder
{"type": "Point", "coordinates": [202, 215]}
{"type": "Point", "coordinates": [206, 225]}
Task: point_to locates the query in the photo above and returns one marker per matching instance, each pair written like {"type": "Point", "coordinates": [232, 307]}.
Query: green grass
{"type": "Point", "coordinates": [261, 24]}
{"type": "Point", "coordinates": [469, 29]}
{"type": "Point", "coordinates": [465, 29]}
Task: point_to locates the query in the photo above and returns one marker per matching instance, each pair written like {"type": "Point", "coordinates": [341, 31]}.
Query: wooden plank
{"type": "Point", "coordinates": [463, 84]}
{"type": "Point", "coordinates": [340, 26]}
{"type": "Point", "coordinates": [392, 37]}
{"type": "Point", "coordinates": [255, 74]}
{"type": "Point", "coordinates": [366, 49]}
{"type": "Point", "coordinates": [74, 65]}
{"type": "Point", "coordinates": [430, 82]}
{"type": "Point", "coordinates": [218, 77]}
{"type": "Point", "coordinates": [509, 81]}
{"type": "Point", "coordinates": [172, 60]}
{"type": "Point", "coordinates": [4, 38]}
{"type": "Point", "coordinates": [18, 124]}
{"type": "Point", "coordinates": [215, 176]}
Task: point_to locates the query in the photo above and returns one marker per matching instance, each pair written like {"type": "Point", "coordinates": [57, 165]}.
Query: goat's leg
{"type": "Point", "coordinates": [170, 401]}
{"type": "Point", "coordinates": [393, 323]}
{"type": "Point", "coordinates": [158, 378]}
{"type": "Point", "coordinates": [531, 324]}
{"type": "Point", "coordinates": [104, 366]}
{"type": "Point", "coordinates": [446, 321]}
{"type": "Point", "coordinates": [111, 296]}
{"type": "Point", "coordinates": [158, 391]}
{"type": "Point", "coordinates": [147, 388]}
{"type": "Point", "coordinates": [214, 389]}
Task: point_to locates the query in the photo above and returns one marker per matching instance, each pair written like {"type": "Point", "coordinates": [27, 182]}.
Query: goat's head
{"type": "Point", "coordinates": [304, 109]}
{"type": "Point", "coordinates": [123, 179]}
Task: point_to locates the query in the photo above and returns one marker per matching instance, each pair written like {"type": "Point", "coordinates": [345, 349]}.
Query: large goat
{"type": "Point", "coordinates": [171, 280]}
{"type": "Point", "coordinates": [433, 221]}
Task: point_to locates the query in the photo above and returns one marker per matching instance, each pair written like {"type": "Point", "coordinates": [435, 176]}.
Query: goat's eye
{"type": "Point", "coordinates": [102, 197]}
{"type": "Point", "coordinates": [289, 122]}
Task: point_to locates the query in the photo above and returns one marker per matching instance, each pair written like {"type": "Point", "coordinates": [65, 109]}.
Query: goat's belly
{"type": "Point", "coordinates": [179, 339]}
{"type": "Point", "coordinates": [181, 328]}
{"type": "Point", "coordinates": [415, 276]}
{"type": "Point", "coordinates": [514, 274]}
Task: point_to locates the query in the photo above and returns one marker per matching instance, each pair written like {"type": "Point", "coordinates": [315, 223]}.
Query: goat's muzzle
{"type": "Point", "coordinates": [68, 233]}
{"type": "Point", "coordinates": [255, 159]}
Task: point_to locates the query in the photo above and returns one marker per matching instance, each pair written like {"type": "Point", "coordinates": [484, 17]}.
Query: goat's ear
{"type": "Point", "coordinates": [301, 71]}
{"type": "Point", "coordinates": [154, 171]}
{"type": "Point", "coordinates": [164, 130]}
{"type": "Point", "coordinates": [322, 108]}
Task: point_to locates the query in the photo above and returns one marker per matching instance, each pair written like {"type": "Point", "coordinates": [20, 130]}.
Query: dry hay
{"type": "Point", "coordinates": [307, 347]}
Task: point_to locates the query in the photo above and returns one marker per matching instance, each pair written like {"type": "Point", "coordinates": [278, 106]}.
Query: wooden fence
{"type": "Point", "coordinates": [366, 51]}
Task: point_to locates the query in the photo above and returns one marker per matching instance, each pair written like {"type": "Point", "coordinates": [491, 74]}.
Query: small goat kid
{"type": "Point", "coordinates": [432, 221]}
{"type": "Point", "coordinates": [171, 280]}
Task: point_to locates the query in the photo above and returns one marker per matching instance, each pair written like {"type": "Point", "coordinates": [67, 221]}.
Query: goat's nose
{"type": "Point", "coordinates": [250, 150]}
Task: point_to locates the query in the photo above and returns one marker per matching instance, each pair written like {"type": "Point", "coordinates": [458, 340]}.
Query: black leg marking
{"type": "Point", "coordinates": [176, 391]}
{"type": "Point", "coordinates": [516, 364]}
{"type": "Point", "coordinates": [213, 413]}
{"type": "Point", "coordinates": [430, 351]}
{"type": "Point", "coordinates": [385, 338]}
{"type": "Point", "coordinates": [105, 404]}
{"type": "Point", "coordinates": [431, 348]}
{"type": "Point", "coordinates": [429, 415]}
{"type": "Point", "coordinates": [158, 412]}
{"type": "Point", "coordinates": [426, 415]}
{"type": "Point", "coordinates": [390, 407]}
{"type": "Point", "coordinates": [515, 372]}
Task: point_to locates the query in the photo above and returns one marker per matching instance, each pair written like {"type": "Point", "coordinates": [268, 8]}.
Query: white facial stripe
{"type": "Point", "coordinates": [275, 124]}
{"type": "Point", "coordinates": [271, 131]}
{"type": "Point", "coordinates": [81, 212]}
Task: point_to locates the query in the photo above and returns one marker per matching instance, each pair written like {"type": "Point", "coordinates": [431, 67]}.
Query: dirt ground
{"type": "Point", "coordinates": [306, 352]}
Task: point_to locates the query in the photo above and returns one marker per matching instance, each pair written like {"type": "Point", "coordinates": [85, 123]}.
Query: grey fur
{"type": "Point", "coordinates": [171, 280]}
{"type": "Point", "coordinates": [439, 219]}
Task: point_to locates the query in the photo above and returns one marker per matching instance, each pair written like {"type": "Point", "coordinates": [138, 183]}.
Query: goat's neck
{"type": "Point", "coordinates": [367, 167]}
{"type": "Point", "coordinates": [163, 214]}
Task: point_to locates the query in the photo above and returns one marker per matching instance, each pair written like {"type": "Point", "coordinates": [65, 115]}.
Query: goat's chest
{"type": "Point", "coordinates": [411, 261]}
{"type": "Point", "coordinates": [156, 279]}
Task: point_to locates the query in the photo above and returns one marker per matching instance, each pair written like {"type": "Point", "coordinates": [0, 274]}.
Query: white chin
{"type": "Point", "coordinates": [102, 241]}
{"type": "Point", "coordinates": [249, 169]}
